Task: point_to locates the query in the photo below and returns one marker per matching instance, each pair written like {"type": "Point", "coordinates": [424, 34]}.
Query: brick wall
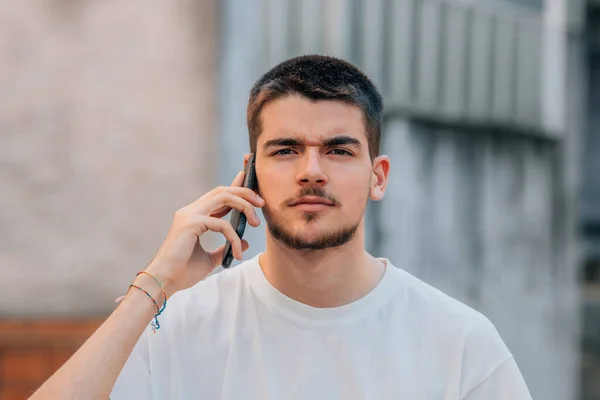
{"type": "Point", "coordinates": [32, 350]}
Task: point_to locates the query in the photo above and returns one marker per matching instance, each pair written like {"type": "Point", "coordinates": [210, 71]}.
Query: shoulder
{"type": "Point", "coordinates": [425, 300]}
{"type": "Point", "coordinates": [452, 324]}
{"type": "Point", "coordinates": [442, 315]}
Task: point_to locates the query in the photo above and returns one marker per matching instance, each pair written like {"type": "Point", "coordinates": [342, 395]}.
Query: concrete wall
{"type": "Point", "coordinates": [590, 199]}
{"type": "Point", "coordinates": [475, 214]}
{"type": "Point", "coordinates": [590, 218]}
{"type": "Point", "coordinates": [107, 127]}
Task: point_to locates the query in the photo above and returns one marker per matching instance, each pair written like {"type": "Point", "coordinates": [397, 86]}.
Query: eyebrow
{"type": "Point", "coordinates": [328, 142]}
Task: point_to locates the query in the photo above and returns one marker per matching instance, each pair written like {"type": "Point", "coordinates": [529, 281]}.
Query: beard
{"type": "Point", "coordinates": [321, 241]}
{"type": "Point", "coordinates": [318, 241]}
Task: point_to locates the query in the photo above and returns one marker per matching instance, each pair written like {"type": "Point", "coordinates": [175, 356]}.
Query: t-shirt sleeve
{"type": "Point", "coordinates": [134, 380]}
{"type": "Point", "coordinates": [505, 383]}
{"type": "Point", "coordinates": [489, 370]}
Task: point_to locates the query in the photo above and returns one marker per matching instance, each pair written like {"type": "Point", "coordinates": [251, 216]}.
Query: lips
{"type": "Point", "coordinates": [312, 204]}
{"type": "Point", "coordinates": [312, 200]}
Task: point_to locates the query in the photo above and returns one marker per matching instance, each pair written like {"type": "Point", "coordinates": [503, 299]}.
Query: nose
{"type": "Point", "coordinates": [311, 170]}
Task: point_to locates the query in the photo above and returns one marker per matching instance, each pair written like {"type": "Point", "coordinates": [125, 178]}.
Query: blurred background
{"type": "Point", "coordinates": [114, 114]}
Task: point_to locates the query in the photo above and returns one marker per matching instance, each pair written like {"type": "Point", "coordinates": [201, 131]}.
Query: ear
{"type": "Point", "coordinates": [246, 158]}
{"type": "Point", "coordinates": [379, 177]}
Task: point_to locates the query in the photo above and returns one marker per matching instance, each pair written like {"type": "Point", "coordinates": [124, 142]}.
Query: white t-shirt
{"type": "Point", "coordinates": [234, 336]}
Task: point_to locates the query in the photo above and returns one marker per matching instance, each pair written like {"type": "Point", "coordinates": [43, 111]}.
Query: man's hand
{"type": "Point", "coordinates": [181, 262]}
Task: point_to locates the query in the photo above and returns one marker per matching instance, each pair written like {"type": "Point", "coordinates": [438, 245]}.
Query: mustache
{"type": "Point", "coordinates": [312, 191]}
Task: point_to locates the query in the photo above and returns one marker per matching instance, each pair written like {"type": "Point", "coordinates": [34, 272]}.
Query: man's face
{"type": "Point", "coordinates": [314, 171]}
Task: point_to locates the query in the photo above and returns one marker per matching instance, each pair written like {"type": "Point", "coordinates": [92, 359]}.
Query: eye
{"type": "Point", "coordinates": [340, 152]}
{"type": "Point", "coordinates": [283, 152]}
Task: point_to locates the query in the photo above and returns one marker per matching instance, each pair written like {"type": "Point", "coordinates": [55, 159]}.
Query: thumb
{"type": "Point", "coordinates": [216, 256]}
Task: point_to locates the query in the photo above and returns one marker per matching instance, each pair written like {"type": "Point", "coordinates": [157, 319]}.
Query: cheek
{"type": "Point", "coordinates": [271, 186]}
{"type": "Point", "coordinates": [355, 191]}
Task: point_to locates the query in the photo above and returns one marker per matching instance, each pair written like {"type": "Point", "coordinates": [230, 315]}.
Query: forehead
{"type": "Point", "coordinates": [295, 115]}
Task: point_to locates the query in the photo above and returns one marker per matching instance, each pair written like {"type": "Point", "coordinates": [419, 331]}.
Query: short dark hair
{"type": "Point", "coordinates": [318, 77]}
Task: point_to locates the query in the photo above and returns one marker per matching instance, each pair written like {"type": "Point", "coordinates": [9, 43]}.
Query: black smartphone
{"type": "Point", "coordinates": [238, 218]}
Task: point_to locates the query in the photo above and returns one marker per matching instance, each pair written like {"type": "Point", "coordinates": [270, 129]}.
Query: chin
{"type": "Point", "coordinates": [315, 236]}
{"type": "Point", "coordinates": [314, 224]}
{"type": "Point", "coordinates": [310, 234]}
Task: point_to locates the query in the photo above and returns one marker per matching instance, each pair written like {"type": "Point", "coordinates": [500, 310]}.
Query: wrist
{"type": "Point", "coordinates": [148, 284]}
{"type": "Point", "coordinates": [165, 281]}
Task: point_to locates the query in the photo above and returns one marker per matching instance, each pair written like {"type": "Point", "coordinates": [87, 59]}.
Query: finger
{"type": "Point", "coordinates": [217, 255]}
{"type": "Point", "coordinates": [217, 205]}
{"type": "Point", "coordinates": [239, 179]}
{"type": "Point", "coordinates": [220, 213]}
{"type": "Point", "coordinates": [245, 193]}
{"type": "Point", "coordinates": [245, 245]}
{"type": "Point", "coordinates": [224, 227]}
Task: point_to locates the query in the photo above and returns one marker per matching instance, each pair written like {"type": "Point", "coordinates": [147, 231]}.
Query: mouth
{"type": "Point", "coordinates": [311, 204]}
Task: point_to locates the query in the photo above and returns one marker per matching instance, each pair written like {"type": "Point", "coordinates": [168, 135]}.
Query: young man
{"type": "Point", "coordinates": [314, 316]}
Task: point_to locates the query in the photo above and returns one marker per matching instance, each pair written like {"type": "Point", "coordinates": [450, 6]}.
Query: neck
{"type": "Point", "coordinates": [322, 278]}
